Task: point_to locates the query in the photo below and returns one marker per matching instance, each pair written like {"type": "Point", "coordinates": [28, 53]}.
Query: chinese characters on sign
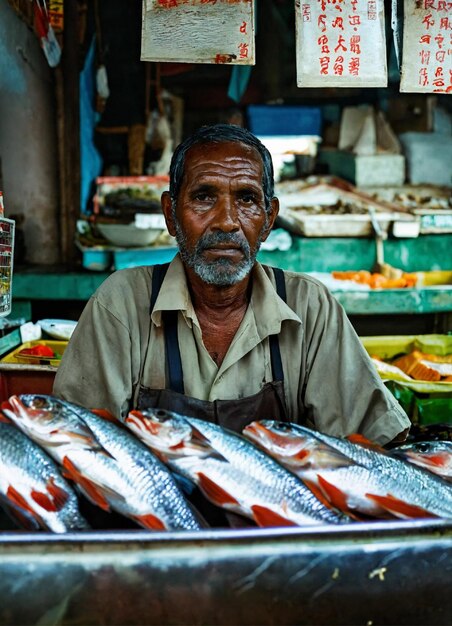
{"type": "Point", "coordinates": [198, 31]}
{"type": "Point", "coordinates": [427, 47]}
{"type": "Point", "coordinates": [340, 43]}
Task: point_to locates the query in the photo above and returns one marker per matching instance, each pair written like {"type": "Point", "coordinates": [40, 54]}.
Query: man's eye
{"type": "Point", "coordinates": [248, 198]}
{"type": "Point", "coordinates": [202, 196]}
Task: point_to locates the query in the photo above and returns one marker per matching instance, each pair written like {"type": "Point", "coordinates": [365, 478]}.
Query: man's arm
{"type": "Point", "coordinates": [344, 393]}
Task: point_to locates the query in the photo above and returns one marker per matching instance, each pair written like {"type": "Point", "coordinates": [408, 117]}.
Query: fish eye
{"type": "Point", "coordinates": [423, 447]}
{"type": "Point", "coordinates": [284, 428]}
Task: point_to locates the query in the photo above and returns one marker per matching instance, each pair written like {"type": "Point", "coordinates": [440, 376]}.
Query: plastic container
{"type": "Point", "coordinates": [424, 402]}
{"type": "Point", "coordinates": [284, 120]}
{"type": "Point", "coordinates": [123, 259]}
{"type": "Point", "coordinates": [15, 357]}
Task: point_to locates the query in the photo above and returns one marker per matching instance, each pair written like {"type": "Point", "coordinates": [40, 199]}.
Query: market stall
{"type": "Point", "coordinates": [234, 454]}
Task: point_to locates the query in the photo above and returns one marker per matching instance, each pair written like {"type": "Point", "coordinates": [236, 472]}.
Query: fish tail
{"type": "Point", "coordinates": [264, 517]}
{"type": "Point", "coordinates": [91, 489]}
{"type": "Point", "coordinates": [150, 521]}
{"type": "Point", "coordinates": [398, 507]}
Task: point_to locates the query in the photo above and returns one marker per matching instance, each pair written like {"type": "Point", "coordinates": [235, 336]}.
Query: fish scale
{"type": "Point", "coordinates": [231, 471]}
{"type": "Point", "coordinates": [29, 470]}
{"type": "Point", "coordinates": [111, 467]}
{"type": "Point", "coordinates": [386, 475]}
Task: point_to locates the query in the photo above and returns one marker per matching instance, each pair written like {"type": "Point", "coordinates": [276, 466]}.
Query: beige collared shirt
{"type": "Point", "coordinates": [328, 377]}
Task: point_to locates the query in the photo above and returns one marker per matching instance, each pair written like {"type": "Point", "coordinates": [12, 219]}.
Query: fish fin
{"type": "Point", "coordinates": [399, 507]}
{"type": "Point", "coordinates": [317, 492]}
{"type": "Point", "coordinates": [5, 405]}
{"type": "Point", "coordinates": [335, 496]}
{"type": "Point", "coordinates": [264, 516]}
{"type": "Point", "coordinates": [59, 495]}
{"type": "Point", "coordinates": [19, 501]}
{"type": "Point", "coordinates": [90, 488]}
{"type": "Point", "coordinates": [363, 441]}
{"type": "Point", "coordinates": [107, 415]}
{"type": "Point", "coordinates": [213, 492]}
{"type": "Point", "coordinates": [150, 521]}
{"type": "Point", "coordinates": [43, 500]}
{"type": "Point", "coordinates": [21, 517]}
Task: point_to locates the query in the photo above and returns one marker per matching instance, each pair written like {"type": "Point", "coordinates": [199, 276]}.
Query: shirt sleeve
{"type": "Point", "coordinates": [95, 370]}
{"type": "Point", "coordinates": [343, 393]}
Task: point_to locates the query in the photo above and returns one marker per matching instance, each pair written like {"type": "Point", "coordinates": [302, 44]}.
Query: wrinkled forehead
{"type": "Point", "coordinates": [212, 152]}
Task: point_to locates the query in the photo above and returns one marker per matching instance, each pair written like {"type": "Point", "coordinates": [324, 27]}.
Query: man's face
{"type": "Point", "coordinates": [220, 218]}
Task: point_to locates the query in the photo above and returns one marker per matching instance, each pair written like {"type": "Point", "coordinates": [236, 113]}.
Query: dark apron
{"type": "Point", "coordinates": [268, 403]}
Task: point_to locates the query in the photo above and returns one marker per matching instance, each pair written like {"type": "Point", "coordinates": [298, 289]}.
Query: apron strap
{"type": "Point", "coordinates": [158, 274]}
{"type": "Point", "coordinates": [176, 381]}
{"type": "Point", "coordinates": [275, 352]}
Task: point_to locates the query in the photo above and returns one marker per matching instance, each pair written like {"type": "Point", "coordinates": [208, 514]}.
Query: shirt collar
{"type": "Point", "coordinates": [268, 308]}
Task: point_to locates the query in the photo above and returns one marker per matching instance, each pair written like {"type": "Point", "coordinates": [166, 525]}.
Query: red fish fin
{"type": "Point", "coordinates": [317, 492]}
{"type": "Point", "coordinates": [3, 417]}
{"type": "Point", "coordinates": [91, 489]}
{"type": "Point", "coordinates": [399, 507]}
{"type": "Point", "coordinates": [106, 415]}
{"type": "Point", "coordinates": [18, 500]}
{"type": "Point", "coordinates": [215, 493]}
{"type": "Point", "coordinates": [266, 517]}
{"type": "Point", "coordinates": [59, 495]}
{"type": "Point", "coordinates": [361, 440]}
{"type": "Point", "coordinates": [43, 500]}
{"type": "Point", "coordinates": [150, 521]}
{"type": "Point", "coordinates": [336, 496]}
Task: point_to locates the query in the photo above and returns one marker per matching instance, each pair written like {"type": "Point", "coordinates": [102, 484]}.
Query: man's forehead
{"type": "Point", "coordinates": [203, 152]}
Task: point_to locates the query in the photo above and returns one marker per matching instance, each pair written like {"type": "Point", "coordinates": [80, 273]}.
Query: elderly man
{"type": "Point", "coordinates": [217, 335]}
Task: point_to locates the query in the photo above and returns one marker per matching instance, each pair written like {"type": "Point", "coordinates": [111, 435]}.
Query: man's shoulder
{"type": "Point", "coordinates": [299, 281]}
{"type": "Point", "coordinates": [125, 282]}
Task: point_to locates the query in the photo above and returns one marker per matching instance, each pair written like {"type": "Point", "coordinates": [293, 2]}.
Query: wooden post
{"type": "Point", "coordinates": [68, 131]}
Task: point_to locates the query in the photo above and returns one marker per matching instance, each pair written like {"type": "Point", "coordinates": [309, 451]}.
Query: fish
{"type": "Point", "coordinates": [229, 470]}
{"type": "Point", "coordinates": [435, 456]}
{"type": "Point", "coordinates": [110, 466]}
{"type": "Point", "coordinates": [376, 484]}
{"type": "Point", "coordinates": [32, 490]}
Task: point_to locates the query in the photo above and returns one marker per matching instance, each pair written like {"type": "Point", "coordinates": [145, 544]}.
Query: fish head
{"type": "Point", "coordinates": [296, 447]}
{"type": "Point", "coordinates": [168, 433]}
{"type": "Point", "coordinates": [432, 455]}
{"type": "Point", "coordinates": [279, 437]}
{"type": "Point", "coordinates": [44, 419]}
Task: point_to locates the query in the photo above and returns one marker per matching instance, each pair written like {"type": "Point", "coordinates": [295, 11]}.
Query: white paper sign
{"type": "Point", "coordinates": [198, 31]}
{"type": "Point", "coordinates": [340, 43]}
{"type": "Point", "coordinates": [427, 47]}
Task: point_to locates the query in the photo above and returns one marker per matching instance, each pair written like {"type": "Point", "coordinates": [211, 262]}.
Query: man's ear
{"type": "Point", "coordinates": [167, 208]}
{"type": "Point", "coordinates": [272, 214]}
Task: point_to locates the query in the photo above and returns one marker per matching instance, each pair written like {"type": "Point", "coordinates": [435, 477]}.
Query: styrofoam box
{"type": "Point", "coordinates": [429, 157]}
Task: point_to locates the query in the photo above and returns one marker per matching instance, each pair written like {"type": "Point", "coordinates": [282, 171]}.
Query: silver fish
{"type": "Point", "coordinates": [110, 466]}
{"type": "Point", "coordinates": [376, 484]}
{"type": "Point", "coordinates": [229, 470]}
{"type": "Point", "coordinates": [32, 489]}
{"type": "Point", "coordinates": [435, 456]}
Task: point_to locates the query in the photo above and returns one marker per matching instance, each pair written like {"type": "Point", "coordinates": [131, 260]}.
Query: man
{"type": "Point", "coordinates": [217, 335]}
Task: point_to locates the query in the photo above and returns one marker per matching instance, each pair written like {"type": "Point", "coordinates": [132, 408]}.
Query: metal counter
{"type": "Point", "coordinates": [367, 574]}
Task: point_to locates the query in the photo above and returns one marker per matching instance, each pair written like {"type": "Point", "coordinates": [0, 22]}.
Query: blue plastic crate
{"type": "Point", "coordinates": [133, 257]}
{"type": "Point", "coordinates": [264, 120]}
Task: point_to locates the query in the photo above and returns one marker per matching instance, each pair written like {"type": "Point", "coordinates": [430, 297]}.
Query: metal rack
{"type": "Point", "coordinates": [6, 261]}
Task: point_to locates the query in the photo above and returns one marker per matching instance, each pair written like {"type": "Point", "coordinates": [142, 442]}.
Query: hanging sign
{"type": "Point", "coordinates": [427, 47]}
{"type": "Point", "coordinates": [340, 43]}
{"type": "Point", "coordinates": [198, 31]}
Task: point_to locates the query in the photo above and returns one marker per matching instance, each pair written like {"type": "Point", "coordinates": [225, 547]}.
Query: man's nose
{"type": "Point", "coordinates": [226, 214]}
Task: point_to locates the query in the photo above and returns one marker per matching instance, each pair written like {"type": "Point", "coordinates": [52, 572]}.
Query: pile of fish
{"type": "Point", "coordinates": [54, 453]}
